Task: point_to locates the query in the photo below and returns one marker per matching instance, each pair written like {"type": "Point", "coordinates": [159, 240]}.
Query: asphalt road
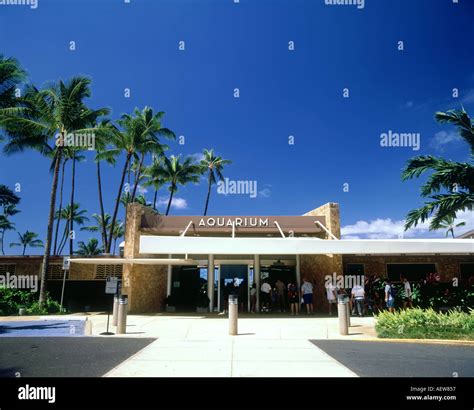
{"type": "Point", "coordinates": [65, 356]}
{"type": "Point", "coordinates": [390, 359]}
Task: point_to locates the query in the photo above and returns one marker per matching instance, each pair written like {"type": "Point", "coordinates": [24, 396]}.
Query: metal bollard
{"type": "Point", "coordinates": [233, 314]}
{"type": "Point", "coordinates": [342, 307]}
{"type": "Point", "coordinates": [115, 310]}
{"type": "Point", "coordinates": [348, 312]}
{"type": "Point", "coordinates": [122, 315]}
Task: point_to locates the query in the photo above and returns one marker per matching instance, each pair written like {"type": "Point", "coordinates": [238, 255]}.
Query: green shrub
{"type": "Point", "coordinates": [12, 299]}
{"type": "Point", "coordinates": [425, 324]}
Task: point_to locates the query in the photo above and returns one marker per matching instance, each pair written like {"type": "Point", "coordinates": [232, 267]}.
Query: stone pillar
{"type": "Point", "coordinates": [145, 285]}
{"type": "Point", "coordinates": [331, 213]}
{"type": "Point", "coordinates": [169, 278]}
{"type": "Point", "coordinates": [210, 282]}
{"type": "Point", "coordinates": [256, 275]}
{"type": "Point", "coordinates": [298, 272]}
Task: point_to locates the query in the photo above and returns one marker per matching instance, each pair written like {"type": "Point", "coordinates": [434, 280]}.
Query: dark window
{"type": "Point", "coordinates": [467, 271]}
{"type": "Point", "coordinates": [355, 269]}
{"type": "Point", "coordinates": [411, 271]}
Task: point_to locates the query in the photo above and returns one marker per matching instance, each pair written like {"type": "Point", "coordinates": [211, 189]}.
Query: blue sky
{"type": "Point", "coordinates": [282, 93]}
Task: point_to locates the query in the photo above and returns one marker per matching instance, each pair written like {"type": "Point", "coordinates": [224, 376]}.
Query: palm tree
{"type": "Point", "coordinates": [7, 196]}
{"type": "Point", "coordinates": [11, 75]}
{"type": "Point", "coordinates": [456, 178]}
{"type": "Point", "coordinates": [28, 239]}
{"type": "Point", "coordinates": [68, 213]}
{"type": "Point", "coordinates": [174, 172]}
{"type": "Point", "coordinates": [90, 248]}
{"type": "Point", "coordinates": [140, 135]}
{"type": "Point", "coordinates": [156, 181]}
{"type": "Point", "coordinates": [213, 165]}
{"type": "Point", "coordinates": [104, 132]}
{"type": "Point", "coordinates": [6, 225]}
{"type": "Point", "coordinates": [50, 113]}
{"type": "Point", "coordinates": [102, 225]}
{"type": "Point", "coordinates": [448, 224]}
{"type": "Point", "coordinates": [119, 232]}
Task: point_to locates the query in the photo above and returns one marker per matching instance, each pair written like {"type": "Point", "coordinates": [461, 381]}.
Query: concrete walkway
{"type": "Point", "coordinates": [199, 346]}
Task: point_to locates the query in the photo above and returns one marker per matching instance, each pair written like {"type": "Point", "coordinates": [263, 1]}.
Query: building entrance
{"type": "Point", "coordinates": [233, 281]}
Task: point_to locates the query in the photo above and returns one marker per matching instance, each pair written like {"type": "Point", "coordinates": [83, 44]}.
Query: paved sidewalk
{"type": "Point", "coordinates": [198, 346]}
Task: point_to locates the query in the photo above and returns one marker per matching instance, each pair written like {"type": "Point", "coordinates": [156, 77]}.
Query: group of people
{"type": "Point", "coordinates": [366, 298]}
{"type": "Point", "coordinates": [282, 297]}
{"type": "Point", "coordinates": [363, 298]}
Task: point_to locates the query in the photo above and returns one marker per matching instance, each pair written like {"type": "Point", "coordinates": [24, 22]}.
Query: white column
{"type": "Point", "coordinates": [248, 288]}
{"type": "Point", "coordinates": [219, 288]}
{"type": "Point", "coordinates": [168, 279]}
{"type": "Point", "coordinates": [210, 281]}
{"type": "Point", "coordinates": [256, 278]}
{"type": "Point", "coordinates": [298, 273]}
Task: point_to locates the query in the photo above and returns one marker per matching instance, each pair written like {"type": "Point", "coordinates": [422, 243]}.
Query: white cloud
{"type": "Point", "coordinates": [442, 138]}
{"type": "Point", "coordinates": [142, 190]}
{"type": "Point", "coordinates": [469, 97]}
{"type": "Point", "coordinates": [409, 104]}
{"type": "Point", "coordinates": [177, 203]}
{"type": "Point", "coordinates": [264, 193]}
{"type": "Point", "coordinates": [198, 156]}
{"type": "Point", "coordinates": [388, 229]}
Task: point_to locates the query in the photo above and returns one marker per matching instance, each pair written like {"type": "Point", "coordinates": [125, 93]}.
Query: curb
{"type": "Point", "coordinates": [422, 341]}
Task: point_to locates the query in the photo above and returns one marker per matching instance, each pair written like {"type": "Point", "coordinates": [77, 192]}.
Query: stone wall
{"type": "Point", "coordinates": [145, 285]}
{"type": "Point", "coordinates": [333, 220]}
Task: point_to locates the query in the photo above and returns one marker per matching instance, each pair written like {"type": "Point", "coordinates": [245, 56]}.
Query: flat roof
{"type": "Point", "coordinates": [150, 244]}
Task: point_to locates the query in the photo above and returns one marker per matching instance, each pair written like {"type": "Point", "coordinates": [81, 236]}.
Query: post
{"type": "Point", "coordinates": [348, 312]}
{"type": "Point", "coordinates": [210, 282]}
{"type": "Point", "coordinates": [233, 314]}
{"type": "Point", "coordinates": [342, 315]}
{"type": "Point", "coordinates": [168, 280]}
{"type": "Point", "coordinates": [298, 273]}
{"type": "Point", "coordinates": [256, 278]}
{"type": "Point", "coordinates": [122, 315]}
{"type": "Point", "coordinates": [115, 310]}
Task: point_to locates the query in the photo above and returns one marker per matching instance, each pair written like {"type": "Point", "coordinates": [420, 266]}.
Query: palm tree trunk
{"type": "Point", "coordinates": [208, 193]}
{"type": "Point", "coordinates": [1, 240]}
{"type": "Point", "coordinates": [137, 177]}
{"type": "Point", "coordinates": [71, 221]}
{"type": "Point", "coordinates": [63, 241]}
{"type": "Point", "coordinates": [115, 244]}
{"type": "Point", "coordinates": [117, 203]}
{"type": "Point", "coordinates": [49, 234]}
{"type": "Point", "coordinates": [24, 250]}
{"type": "Point", "coordinates": [60, 209]}
{"type": "Point", "coordinates": [101, 204]}
{"type": "Point", "coordinates": [154, 199]}
{"type": "Point", "coordinates": [170, 200]}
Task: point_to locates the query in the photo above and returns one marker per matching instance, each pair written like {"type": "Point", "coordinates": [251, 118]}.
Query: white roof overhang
{"type": "Point", "coordinates": [150, 244]}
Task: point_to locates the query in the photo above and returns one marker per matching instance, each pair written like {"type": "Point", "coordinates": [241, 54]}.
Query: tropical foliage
{"type": "Point", "coordinates": [450, 185]}
{"type": "Point", "coordinates": [42, 119]}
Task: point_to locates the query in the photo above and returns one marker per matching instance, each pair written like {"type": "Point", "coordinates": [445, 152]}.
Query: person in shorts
{"type": "Point", "coordinates": [389, 299]}
{"type": "Point", "coordinates": [307, 292]}
{"type": "Point", "coordinates": [293, 298]}
{"type": "Point", "coordinates": [265, 290]}
{"type": "Point", "coordinates": [331, 294]}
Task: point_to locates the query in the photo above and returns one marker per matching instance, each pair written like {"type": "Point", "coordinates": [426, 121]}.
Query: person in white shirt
{"type": "Point", "coordinates": [307, 292]}
{"type": "Point", "coordinates": [358, 294]}
{"type": "Point", "coordinates": [408, 294]}
{"type": "Point", "coordinates": [331, 294]}
{"type": "Point", "coordinates": [389, 299]}
{"type": "Point", "coordinates": [265, 293]}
